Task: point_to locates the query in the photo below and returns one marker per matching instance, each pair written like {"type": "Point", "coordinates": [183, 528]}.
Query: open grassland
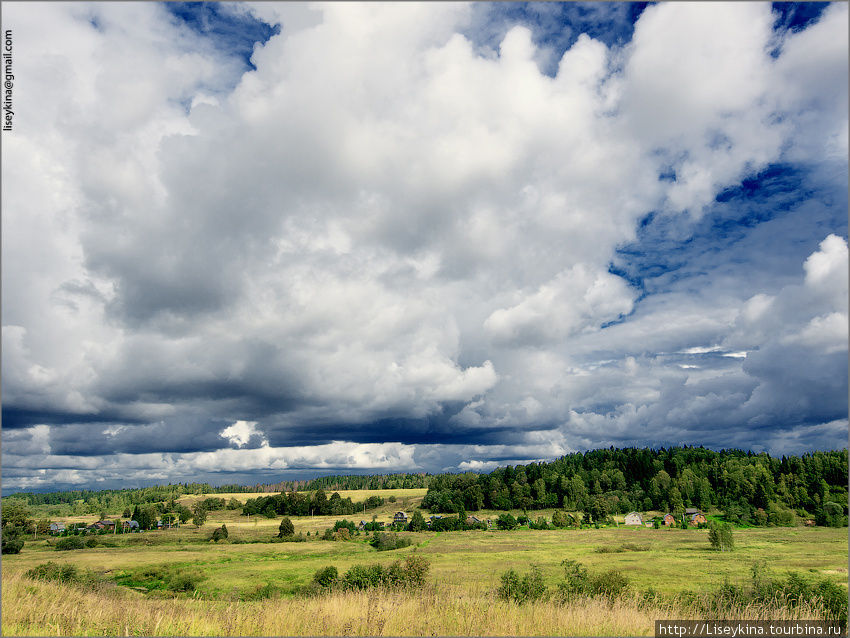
{"type": "Point", "coordinates": [459, 600]}
{"type": "Point", "coordinates": [38, 608]}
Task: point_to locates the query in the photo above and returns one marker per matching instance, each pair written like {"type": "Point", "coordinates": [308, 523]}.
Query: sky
{"type": "Point", "coordinates": [250, 242]}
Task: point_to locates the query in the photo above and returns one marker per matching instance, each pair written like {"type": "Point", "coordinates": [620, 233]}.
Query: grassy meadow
{"type": "Point", "coordinates": [459, 600]}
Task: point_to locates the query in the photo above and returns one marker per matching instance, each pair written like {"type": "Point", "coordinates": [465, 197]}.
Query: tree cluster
{"type": "Point", "coordinates": [750, 488]}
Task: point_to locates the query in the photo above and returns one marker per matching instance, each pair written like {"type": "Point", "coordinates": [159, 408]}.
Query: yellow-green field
{"type": "Point", "coordinates": [465, 572]}
{"type": "Point", "coordinates": [401, 495]}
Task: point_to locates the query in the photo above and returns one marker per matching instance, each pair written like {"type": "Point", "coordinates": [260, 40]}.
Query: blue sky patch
{"type": "Point", "coordinates": [236, 32]}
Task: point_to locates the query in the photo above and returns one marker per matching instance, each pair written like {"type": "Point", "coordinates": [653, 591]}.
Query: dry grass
{"type": "Point", "coordinates": [38, 608]}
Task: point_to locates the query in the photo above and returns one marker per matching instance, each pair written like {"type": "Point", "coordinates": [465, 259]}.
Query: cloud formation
{"type": "Point", "coordinates": [389, 245]}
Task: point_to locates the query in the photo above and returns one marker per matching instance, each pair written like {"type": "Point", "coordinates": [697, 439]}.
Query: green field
{"type": "Point", "coordinates": [675, 560]}
{"type": "Point", "coordinates": [465, 571]}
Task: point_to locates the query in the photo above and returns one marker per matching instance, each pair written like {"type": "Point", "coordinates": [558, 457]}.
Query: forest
{"type": "Point", "coordinates": [749, 488]}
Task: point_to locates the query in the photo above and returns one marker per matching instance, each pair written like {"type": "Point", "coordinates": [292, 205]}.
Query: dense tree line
{"type": "Point", "coordinates": [300, 504]}
{"type": "Point", "coordinates": [749, 488]}
{"type": "Point", "coordinates": [94, 501]}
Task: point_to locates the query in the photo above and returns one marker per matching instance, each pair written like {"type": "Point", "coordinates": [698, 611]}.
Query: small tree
{"type": "Point", "coordinates": [506, 521]}
{"type": "Point", "coordinates": [417, 522]}
{"type": "Point", "coordinates": [286, 528]}
{"type": "Point", "coordinates": [720, 536]}
{"type": "Point", "coordinates": [199, 515]}
{"type": "Point", "coordinates": [560, 518]}
{"type": "Point", "coordinates": [219, 534]}
{"type": "Point", "coordinates": [12, 541]}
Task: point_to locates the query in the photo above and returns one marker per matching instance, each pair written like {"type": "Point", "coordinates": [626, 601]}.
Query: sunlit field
{"type": "Point", "coordinates": [459, 599]}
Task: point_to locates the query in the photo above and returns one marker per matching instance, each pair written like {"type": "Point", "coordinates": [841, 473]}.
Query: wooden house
{"type": "Point", "coordinates": [668, 520]}
{"type": "Point", "coordinates": [634, 518]}
{"type": "Point", "coordinates": [130, 526]}
{"type": "Point", "coordinates": [57, 528]}
{"type": "Point", "coordinates": [400, 517]}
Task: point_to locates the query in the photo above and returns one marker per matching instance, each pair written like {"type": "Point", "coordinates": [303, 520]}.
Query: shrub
{"type": "Point", "coordinates": [12, 541]}
{"type": "Point", "coordinates": [540, 523]}
{"type": "Point", "coordinates": [389, 541]}
{"type": "Point", "coordinates": [522, 589]}
{"type": "Point", "coordinates": [342, 534]}
{"type": "Point", "coordinates": [417, 522]}
{"type": "Point", "coordinates": [326, 576]}
{"type": "Point", "coordinates": [578, 582]}
{"type": "Point", "coordinates": [346, 524]}
{"type": "Point", "coordinates": [70, 542]}
{"type": "Point", "coordinates": [286, 528]}
{"type": "Point", "coordinates": [53, 571]}
{"type": "Point", "coordinates": [219, 534]}
{"type": "Point", "coordinates": [506, 521]}
{"type": "Point", "coordinates": [184, 580]}
{"type": "Point", "coordinates": [409, 573]}
{"type": "Point", "coordinates": [560, 518]}
{"type": "Point", "coordinates": [720, 536]}
{"type": "Point", "coordinates": [91, 542]}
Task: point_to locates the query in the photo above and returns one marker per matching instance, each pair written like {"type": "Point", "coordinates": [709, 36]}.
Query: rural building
{"type": "Point", "coordinates": [400, 517]}
{"type": "Point", "coordinates": [697, 518]}
{"type": "Point", "coordinates": [668, 520]}
{"type": "Point", "coordinates": [57, 528]}
{"type": "Point", "coordinates": [472, 520]}
{"type": "Point", "coordinates": [129, 526]}
{"type": "Point", "coordinates": [647, 524]}
{"type": "Point", "coordinates": [634, 518]}
{"type": "Point", "coordinates": [361, 526]}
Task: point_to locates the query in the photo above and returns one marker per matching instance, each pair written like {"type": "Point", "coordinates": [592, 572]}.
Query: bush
{"type": "Point", "coordinates": [720, 536]}
{"type": "Point", "coordinates": [12, 541]}
{"type": "Point", "coordinates": [417, 522]}
{"type": "Point", "coordinates": [184, 581]}
{"type": "Point", "coordinates": [506, 521]}
{"type": "Point", "coordinates": [342, 534]}
{"type": "Point", "coordinates": [219, 534]}
{"type": "Point", "coordinates": [326, 577]}
{"type": "Point", "coordinates": [71, 542]}
{"type": "Point", "coordinates": [53, 571]}
{"type": "Point", "coordinates": [409, 573]}
{"type": "Point", "coordinates": [91, 542]}
{"type": "Point", "coordinates": [560, 518]}
{"type": "Point", "coordinates": [578, 582]}
{"type": "Point", "coordinates": [522, 589]}
{"type": "Point", "coordinates": [286, 528]}
{"type": "Point", "coordinates": [345, 524]}
{"type": "Point", "coordinates": [389, 541]}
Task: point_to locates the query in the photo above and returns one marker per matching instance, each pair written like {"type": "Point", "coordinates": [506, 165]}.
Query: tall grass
{"type": "Point", "coordinates": [34, 607]}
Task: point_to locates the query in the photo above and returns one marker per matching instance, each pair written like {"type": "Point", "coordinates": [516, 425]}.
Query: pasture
{"type": "Point", "coordinates": [460, 600]}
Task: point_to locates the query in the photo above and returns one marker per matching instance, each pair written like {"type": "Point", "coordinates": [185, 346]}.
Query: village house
{"type": "Point", "coordinates": [130, 526]}
{"type": "Point", "coordinates": [694, 516]}
{"type": "Point", "coordinates": [57, 528]}
{"type": "Point", "coordinates": [361, 526]}
{"type": "Point", "coordinates": [668, 520]}
{"type": "Point", "coordinates": [472, 520]}
{"type": "Point", "coordinates": [634, 518]}
{"type": "Point", "coordinates": [400, 517]}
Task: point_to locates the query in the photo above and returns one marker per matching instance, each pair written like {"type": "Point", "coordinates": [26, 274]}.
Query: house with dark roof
{"type": "Point", "coordinates": [400, 517]}
{"type": "Point", "coordinates": [57, 528]}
